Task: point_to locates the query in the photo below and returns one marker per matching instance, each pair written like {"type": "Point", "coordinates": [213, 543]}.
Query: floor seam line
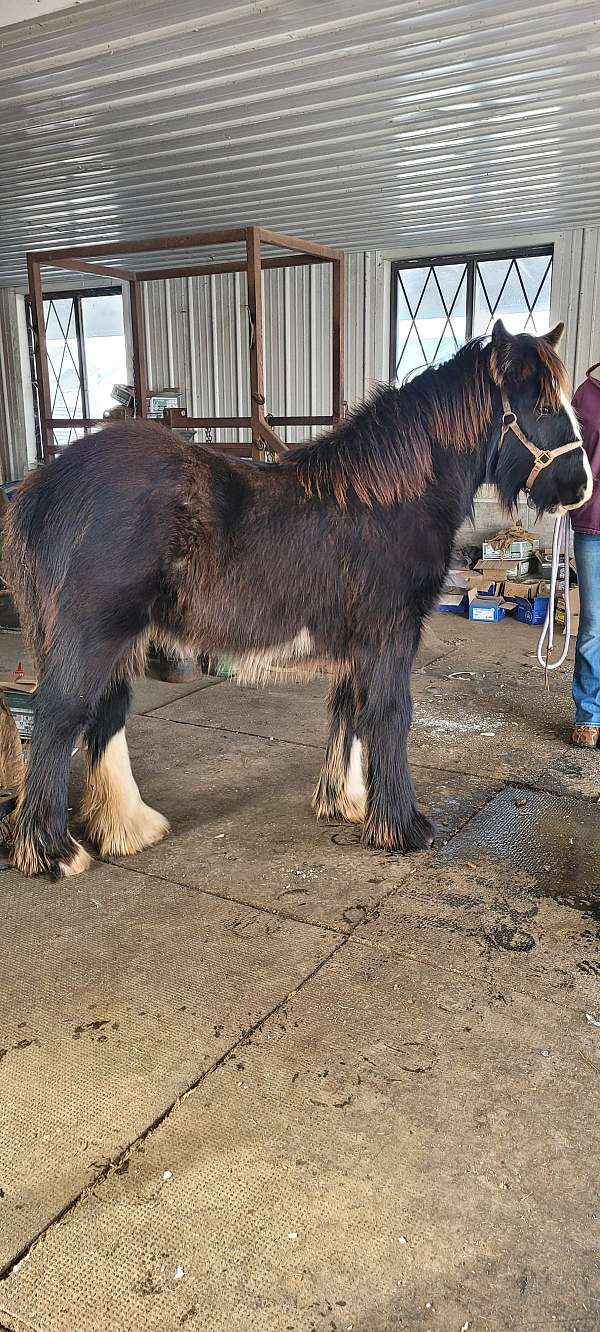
{"type": "Point", "coordinates": [115, 1163]}
{"type": "Point", "coordinates": [280, 914]}
{"type": "Point", "coordinates": [198, 689]}
{"type": "Point", "coordinates": [393, 950]}
{"type": "Point", "coordinates": [229, 730]}
{"type": "Point", "coordinates": [508, 781]}
{"type": "Point", "coordinates": [235, 901]}
{"type": "Point", "coordinates": [27, 1327]}
{"type": "Point", "coordinates": [420, 670]}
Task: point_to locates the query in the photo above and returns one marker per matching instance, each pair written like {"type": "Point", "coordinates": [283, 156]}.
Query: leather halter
{"type": "Point", "coordinates": [543, 457]}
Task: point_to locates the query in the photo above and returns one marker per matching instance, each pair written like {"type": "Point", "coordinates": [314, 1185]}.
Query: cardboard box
{"type": "Point", "coordinates": [560, 614]}
{"type": "Point", "coordinates": [532, 611]}
{"type": "Point", "coordinates": [454, 603]}
{"type": "Point", "coordinates": [454, 593]}
{"type": "Point", "coordinates": [18, 696]}
{"type": "Point", "coordinates": [502, 569]}
{"type": "Point", "coordinates": [159, 399]}
{"type": "Point", "coordinates": [518, 550]}
{"type": "Point", "coordinates": [527, 588]}
{"type": "Point", "coordinates": [124, 394]}
{"type": "Point", "coordinates": [469, 579]}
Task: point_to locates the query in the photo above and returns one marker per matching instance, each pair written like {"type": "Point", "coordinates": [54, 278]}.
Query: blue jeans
{"type": "Point", "coordinates": [586, 677]}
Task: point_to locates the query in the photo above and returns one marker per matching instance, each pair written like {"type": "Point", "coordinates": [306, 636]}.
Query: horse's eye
{"type": "Point", "coordinates": [544, 411]}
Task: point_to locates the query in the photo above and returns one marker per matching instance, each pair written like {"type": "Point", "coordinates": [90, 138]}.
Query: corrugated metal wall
{"type": "Point", "coordinates": [17, 428]}
{"type": "Point", "coordinates": [197, 330]}
{"type": "Point", "coordinates": [197, 336]}
{"type": "Point", "coordinates": [197, 339]}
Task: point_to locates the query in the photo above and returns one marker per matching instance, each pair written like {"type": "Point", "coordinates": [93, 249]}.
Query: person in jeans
{"type": "Point", "coordinates": [586, 526]}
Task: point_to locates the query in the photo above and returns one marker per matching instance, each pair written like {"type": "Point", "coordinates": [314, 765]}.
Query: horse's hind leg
{"type": "Point", "coordinates": [78, 668]}
{"type": "Point", "coordinates": [114, 815]}
{"type": "Point", "coordinates": [341, 792]}
{"type": "Point", "coordinates": [41, 842]}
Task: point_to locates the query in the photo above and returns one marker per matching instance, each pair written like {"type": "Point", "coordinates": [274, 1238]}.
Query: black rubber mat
{"type": "Point", "coordinates": [554, 839]}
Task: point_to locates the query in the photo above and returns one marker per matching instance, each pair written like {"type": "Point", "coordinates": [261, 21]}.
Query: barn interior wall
{"type": "Point", "coordinates": [197, 338]}
{"type": "Point", "coordinates": [197, 334]}
{"type": "Point", "coordinates": [17, 423]}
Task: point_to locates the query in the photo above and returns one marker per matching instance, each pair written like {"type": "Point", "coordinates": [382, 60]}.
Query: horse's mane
{"type": "Point", "coordinates": [382, 453]}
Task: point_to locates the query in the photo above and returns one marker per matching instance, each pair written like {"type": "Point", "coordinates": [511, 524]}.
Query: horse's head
{"type": "Point", "coordinates": [539, 447]}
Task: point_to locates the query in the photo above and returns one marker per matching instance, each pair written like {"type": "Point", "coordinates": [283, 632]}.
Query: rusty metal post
{"type": "Point", "coordinates": [257, 385]}
{"type": "Point", "coordinates": [41, 358]}
{"type": "Point", "coordinates": [138, 343]}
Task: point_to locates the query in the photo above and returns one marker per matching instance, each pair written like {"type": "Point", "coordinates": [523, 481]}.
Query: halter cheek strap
{"type": "Point", "coordinates": [543, 457]}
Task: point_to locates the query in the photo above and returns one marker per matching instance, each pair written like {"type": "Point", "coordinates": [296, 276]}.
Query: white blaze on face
{"type": "Point", "coordinates": [587, 495]}
{"type": "Point", "coordinates": [570, 410]}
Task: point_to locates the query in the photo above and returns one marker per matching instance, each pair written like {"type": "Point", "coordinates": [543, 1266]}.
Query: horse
{"type": "Point", "coordinates": [335, 553]}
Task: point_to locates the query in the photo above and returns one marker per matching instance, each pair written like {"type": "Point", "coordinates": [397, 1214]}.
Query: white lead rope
{"type": "Point", "coordinates": [561, 537]}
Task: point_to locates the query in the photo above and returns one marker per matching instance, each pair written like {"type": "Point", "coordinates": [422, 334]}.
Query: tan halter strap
{"type": "Point", "coordinates": [543, 457]}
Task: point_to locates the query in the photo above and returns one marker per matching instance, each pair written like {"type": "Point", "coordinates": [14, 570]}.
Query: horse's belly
{"type": "Point", "coordinates": [256, 665]}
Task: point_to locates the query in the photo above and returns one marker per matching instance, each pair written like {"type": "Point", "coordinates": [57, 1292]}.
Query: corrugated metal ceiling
{"type": "Point", "coordinates": [400, 124]}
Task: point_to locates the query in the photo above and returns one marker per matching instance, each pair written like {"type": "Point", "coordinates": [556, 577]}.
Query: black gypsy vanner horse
{"type": "Point", "coordinates": [336, 553]}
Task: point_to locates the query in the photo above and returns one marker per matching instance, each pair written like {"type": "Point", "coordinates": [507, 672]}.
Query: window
{"type": "Point", "coordinates": [85, 338]}
{"type": "Point", "coordinates": [438, 304]}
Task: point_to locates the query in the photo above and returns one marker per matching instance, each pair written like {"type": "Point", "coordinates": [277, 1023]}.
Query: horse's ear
{"type": "Point", "coordinates": [502, 353]}
{"type": "Point", "coordinates": [555, 335]}
{"type": "Point", "coordinates": [500, 334]}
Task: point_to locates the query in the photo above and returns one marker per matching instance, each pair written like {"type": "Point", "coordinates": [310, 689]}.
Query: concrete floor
{"type": "Point", "coordinates": [258, 1078]}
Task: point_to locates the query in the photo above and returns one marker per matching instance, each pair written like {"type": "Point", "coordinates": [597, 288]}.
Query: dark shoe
{"type": "Point", "coordinates": [586, 737]}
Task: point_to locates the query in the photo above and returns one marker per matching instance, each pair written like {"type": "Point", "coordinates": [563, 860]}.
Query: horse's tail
{"type": "Point", "coordinates": [33, 550]}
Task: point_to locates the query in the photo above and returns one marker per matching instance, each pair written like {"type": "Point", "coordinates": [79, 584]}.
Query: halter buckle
{"type": "Point", "coordinates": [544, 458]}
{"type": "Point", "coordinates": [508, 419]}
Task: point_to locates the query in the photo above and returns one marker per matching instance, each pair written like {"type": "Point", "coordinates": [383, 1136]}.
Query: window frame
{"type": "Point", "coordinates": [75, 294]}
{"type": "Point", "coordinates": [468, 257]}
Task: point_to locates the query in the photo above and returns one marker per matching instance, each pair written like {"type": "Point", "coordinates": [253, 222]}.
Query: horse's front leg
{"type": "Point", "coordinates": [340, 792]}
{"type": "Point", "coordinates": [393, 821]}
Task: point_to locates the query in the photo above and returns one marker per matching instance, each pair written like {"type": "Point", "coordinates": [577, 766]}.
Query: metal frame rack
{"type": "Point", "coordinates": [88, 260]}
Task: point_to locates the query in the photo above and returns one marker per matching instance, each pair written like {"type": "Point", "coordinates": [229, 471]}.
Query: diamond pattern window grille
{"type": "Point", "coordinates": [65, 365]}
{"type": "Point", "coordinates": [437, 305]}
{"type": "Point", "coordinates": [85, 342]}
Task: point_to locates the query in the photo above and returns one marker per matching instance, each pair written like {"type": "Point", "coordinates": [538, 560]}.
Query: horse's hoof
{"type": "Point", "coordinates": [380, 835]}
{"type": "Point", "coordinates": [77, 863]}
{"type": "Point", "coordinates": [420, 833]}
{"type": "Point", "coordinates": [117, 836]}
{"type": "Point", "coordinates": [31, 856]}
{"type": "Point", "coordinates": [339, 811]}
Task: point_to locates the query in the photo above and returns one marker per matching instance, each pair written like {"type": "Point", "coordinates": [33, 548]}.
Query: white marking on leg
{"type": "Point", "coordinates": [115, 815]}
{"type": "Point", "coordinates": [355, 782]}
{"type": "Point", "coordinates": [78, 864]}
{"type": "Point", "coordinates": [355, 795]}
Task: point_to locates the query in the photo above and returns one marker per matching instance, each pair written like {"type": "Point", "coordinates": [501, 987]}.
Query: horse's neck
{"type": "Point", "coordinates": [457, 479]}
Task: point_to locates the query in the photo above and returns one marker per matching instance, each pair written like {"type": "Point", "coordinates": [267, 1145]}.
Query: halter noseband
{"type": "Point", "coordinates": [543, 457]}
